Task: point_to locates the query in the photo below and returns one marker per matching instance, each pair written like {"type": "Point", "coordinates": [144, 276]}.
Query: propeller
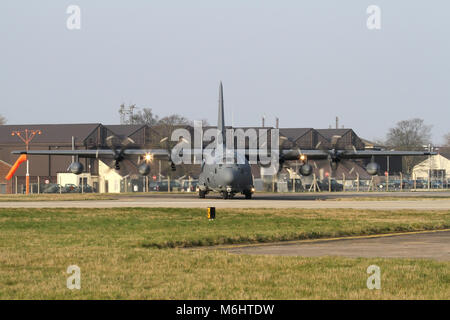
{"type": "Point", "coordinates": [166, 141]}
{"type": "Point", "coordinates": [118, 146]}
{"type": "Point", "coordinates": [334, 154]}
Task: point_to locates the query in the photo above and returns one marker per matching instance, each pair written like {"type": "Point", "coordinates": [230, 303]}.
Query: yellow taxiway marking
{"type": "Point", "coordinates": [235, 246]}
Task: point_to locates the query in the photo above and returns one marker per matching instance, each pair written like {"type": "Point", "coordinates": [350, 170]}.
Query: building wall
{"type": "Point", "coordinates": [110, 181]}
{"type": "Point", "coordinates": [437, 162]}
{"type": "Point", "coordinates": [5, 185]}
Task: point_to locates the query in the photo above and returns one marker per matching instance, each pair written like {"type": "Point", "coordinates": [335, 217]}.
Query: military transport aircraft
{"type": "Point", "coordinates": [219, 175]}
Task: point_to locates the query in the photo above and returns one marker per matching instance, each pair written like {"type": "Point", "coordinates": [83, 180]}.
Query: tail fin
{"type": "Point", "coordinates": [221, 119]}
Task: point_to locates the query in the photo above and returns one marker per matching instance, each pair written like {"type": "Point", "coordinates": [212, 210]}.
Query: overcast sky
{"type": "Point", "coordinates": [302, 61]}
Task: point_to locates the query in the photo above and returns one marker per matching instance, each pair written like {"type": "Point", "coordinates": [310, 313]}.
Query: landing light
{"type": "Point", "coordinates": [148, 157]}
{"type": "Point", "coordinates": [302, 157]}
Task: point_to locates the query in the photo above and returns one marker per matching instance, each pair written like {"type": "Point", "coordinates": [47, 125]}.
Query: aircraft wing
{"type": "Point", "coordinates": [80, 153]}
{"type": "Point", "coordinates": [347, 154]}
{"type": "Point", "coordinates": [352, 154]}
{"type": "Point", "coordinates": [293, 154]}
{"type": "Point", "coordinates": [296, 153]}
{"type": "Point", "coordinates": [156, 153]}
{"type": "Point", "coordinates": [98, 153]}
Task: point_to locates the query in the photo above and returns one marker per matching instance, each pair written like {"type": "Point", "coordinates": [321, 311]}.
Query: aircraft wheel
{"type": "Point", "coordinates": [225, 195]}
{"type": "Point", "coordinates": [201, 194]}
{"type": "Point", "coordinates": [248, 195]}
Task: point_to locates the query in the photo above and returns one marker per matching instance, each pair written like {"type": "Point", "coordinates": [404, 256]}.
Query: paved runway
{"type": "Point", "coordinates": [300, 200]}
{"type": "Point", "coordinates": [429, 245]}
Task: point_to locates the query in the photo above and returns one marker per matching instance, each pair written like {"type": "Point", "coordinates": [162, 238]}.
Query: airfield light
{"type": "Point", "coordinates": [26, 136]}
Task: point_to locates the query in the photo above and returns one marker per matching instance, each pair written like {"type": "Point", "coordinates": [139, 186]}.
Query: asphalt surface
{"type": "Point", "coordinates": [297, 200]}
{"type": "Point", "coordinates": [429, 245]}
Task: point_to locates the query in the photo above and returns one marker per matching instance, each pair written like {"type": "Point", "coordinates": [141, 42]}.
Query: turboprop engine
{"type": "Point", "coordinates": [305, 170]}
{"type": "Point", "coordinates": [372, 168]}
{"type": "Point", "coordinates": [76, 167]}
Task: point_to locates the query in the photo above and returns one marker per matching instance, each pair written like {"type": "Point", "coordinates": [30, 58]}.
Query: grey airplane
{"type": "Point", "coordinates": [219, 174]}
{"type": "Point", "coordinates": [222, 175]}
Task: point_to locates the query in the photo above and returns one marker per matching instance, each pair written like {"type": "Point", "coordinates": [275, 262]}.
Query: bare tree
{"type": "Point", "coordinates": [2, 120]}
{"type": "Point", "coordinates": [445, 149]}
{"type": "Point", "coordinates": [145, 116]}
{"type": "Point", "coordinates": [175, 120]}
{"type": "Point", "coordinates": [447, 140]}
{"type": "Point", "coordinates": [411, 134]}
{"type": "Point", "coordinates": [168, 124]}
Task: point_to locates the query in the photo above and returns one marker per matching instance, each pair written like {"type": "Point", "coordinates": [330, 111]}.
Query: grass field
{"type": "Point", "coordinates": [128, 253]}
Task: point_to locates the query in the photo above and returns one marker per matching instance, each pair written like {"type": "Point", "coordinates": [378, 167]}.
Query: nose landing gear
{"type": "Point", "coordinates": [227, 195]}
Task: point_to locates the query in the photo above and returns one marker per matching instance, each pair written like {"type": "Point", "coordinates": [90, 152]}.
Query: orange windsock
{"type": "Point", "coordinates": [16, 165]}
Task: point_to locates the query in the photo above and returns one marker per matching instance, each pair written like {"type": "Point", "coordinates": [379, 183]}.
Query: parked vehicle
{"type": "Point", "coordinates": [335, 186]}
{"type": "Point", "coordinates": [153, 186]}
{"type": "Point", "coordinates": [408, 184]}
{"type": "Point", "coordinates": [392, 185]}
{"type": "Point", "coordinates": [421, 184]}
{"type": "Point", "coordinates": [297, 183]}
{"type": "Point", "coordinates": [193, 186]}
{"type": "Point", "coordinates": [437, 185]}
{"type": "Point", "coordinates": [163, 186]}
{"type": "Point", "coordinates": [71, 188]}
{"type": "Point", "coordinates": [85, 188]}
{"type": "Point", "coordinates": [51, 188]}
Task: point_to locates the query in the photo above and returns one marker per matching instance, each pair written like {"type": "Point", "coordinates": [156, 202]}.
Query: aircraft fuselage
{"type": "Point", "coordinates": [226, 178]}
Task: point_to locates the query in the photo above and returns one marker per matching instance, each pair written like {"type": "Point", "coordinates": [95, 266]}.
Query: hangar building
{"type": "Point", "coordinates": [45, 169]}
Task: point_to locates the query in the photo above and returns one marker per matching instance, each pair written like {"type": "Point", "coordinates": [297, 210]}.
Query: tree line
{"type": "Point", "coordinates": [148, 117]}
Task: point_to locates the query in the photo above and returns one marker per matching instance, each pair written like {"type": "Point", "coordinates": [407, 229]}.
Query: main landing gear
{"type": "Point", "coordinates": [247, 194]}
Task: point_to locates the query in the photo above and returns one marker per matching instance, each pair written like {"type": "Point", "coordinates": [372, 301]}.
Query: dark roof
{"type": "Point", "coordinates": [51, 133]}
{"type": "Point", "coordinates": [124, 129]}
{"type": "Point", "coordinates": [294, 133]}
{"type": "Point", "coordinates": [329, 133]}
{"type": "Point", "coordinates": [445, 152]}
